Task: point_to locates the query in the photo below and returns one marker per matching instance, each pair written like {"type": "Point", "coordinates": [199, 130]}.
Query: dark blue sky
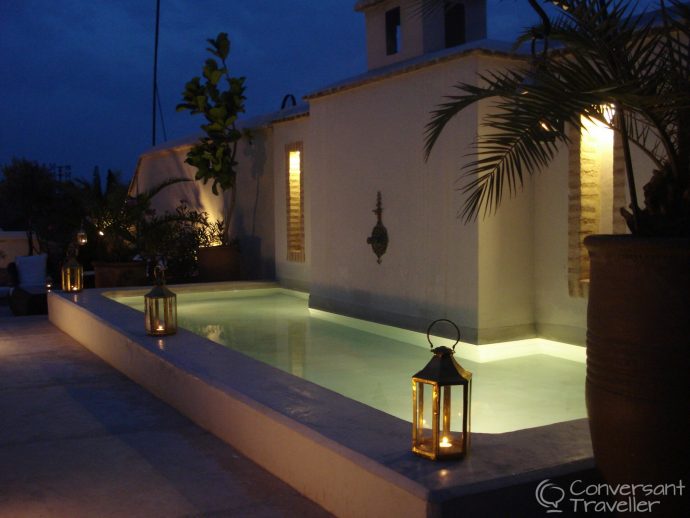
{"type": "Point", "coordinates": [76, 75]}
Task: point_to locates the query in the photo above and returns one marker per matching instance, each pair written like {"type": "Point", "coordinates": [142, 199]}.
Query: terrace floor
{"type": "Point", "coordinates": [79, 439]}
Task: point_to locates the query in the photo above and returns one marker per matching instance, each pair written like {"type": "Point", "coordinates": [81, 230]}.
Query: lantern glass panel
{"type": "Point", "coordinates": [160, 313]}
{"type": "Point", "coordinates": [453, 408]}
{"type": "Point", "coordinates": [72, 277]}
{"type": "Point", "coordinates": [424, 416]}
{"type": "Point", "coordinates": [439, 420]}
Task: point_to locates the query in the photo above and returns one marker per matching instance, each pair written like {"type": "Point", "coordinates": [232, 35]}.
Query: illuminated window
{"type": "Point", "coordinates": [295, 202]}
{"type": "Point", "coordinates": [393, 31]}
{"type": "Point", "coordinates": [596, 193]}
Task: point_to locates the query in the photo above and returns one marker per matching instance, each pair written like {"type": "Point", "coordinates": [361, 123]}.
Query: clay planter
{"type": "Point", "coordinates": [219, 263]}
{"type": "Point", "coordinates": [638, 359]}
{"type": "Point", "coordinates": [110, 275]}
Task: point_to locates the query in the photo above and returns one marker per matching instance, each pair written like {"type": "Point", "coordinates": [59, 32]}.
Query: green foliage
{"type": "Point", "coordinates": [220, 98]}
{"type": "Point", "coordinates": [175, 238]}
{"type": "Point", "coordinates": [608, 56]}
{"type": "Point", "coordinates": [119, 226]}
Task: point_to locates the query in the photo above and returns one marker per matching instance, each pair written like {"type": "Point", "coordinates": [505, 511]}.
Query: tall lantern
{"type": "Point", "coordinates": [441, 398]}
{"type": "Point", "coordinates": [81, 236]}
{"type": "Point", "coordinates": [72, 275]}
{"type": "Point", "coordinates": [160, 308]}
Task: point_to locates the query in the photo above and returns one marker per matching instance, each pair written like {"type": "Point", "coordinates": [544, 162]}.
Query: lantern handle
{"type": "Point", "coordinates": [159, 274]}
{"type": "Point", "coordinates": [428, 331]}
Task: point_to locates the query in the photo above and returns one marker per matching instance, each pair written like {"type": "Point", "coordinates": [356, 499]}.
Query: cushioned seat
{"type": "Point", "coordinates": [29, 295]}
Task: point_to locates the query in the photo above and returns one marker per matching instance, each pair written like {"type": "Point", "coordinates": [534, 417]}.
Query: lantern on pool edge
{"type": "Point", "coordinates": [81, 237]}
{"type": "Point", "coordinates": [441, 396]}
{"type": "Point", "coordinates": [72, 275]}
{"type": "Point", "coordinates": [160, 308]}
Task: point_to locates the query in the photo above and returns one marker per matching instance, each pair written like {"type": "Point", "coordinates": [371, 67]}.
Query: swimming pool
{"type": "Point", "coordinates": [515, 386]}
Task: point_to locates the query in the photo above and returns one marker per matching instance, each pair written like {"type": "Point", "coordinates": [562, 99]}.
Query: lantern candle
{"type": "Point", "coordinates": [81, 237]}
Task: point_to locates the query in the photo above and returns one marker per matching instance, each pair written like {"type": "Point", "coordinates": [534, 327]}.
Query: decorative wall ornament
{"type": "Point", "coordinates": [379, 235]}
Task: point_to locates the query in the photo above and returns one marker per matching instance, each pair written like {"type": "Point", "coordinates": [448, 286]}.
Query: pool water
{"type": "Point", "coordinates": [374, 365]}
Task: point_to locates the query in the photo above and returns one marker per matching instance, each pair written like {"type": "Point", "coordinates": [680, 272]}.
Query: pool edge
{"type": "Point", "coordinates": [343, 481]}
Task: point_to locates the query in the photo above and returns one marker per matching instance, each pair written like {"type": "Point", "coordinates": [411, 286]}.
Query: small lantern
{"type": "Point", "coordinates": [160, 308]}
{"type": "Point", "coordinates": [72, 275]}
{"type": "Point", "coordinates": [81, 237]}
{"type": "Point", "coordinates": [441, 395]}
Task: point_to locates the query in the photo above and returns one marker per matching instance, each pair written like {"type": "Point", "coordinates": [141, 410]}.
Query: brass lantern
{"type": "Point", "coordinates": [441, 397]}
{"type": "Point", "coordinates": [160, 308]}
{"type": "Point", "coordinates": [81, 237]}
{"type": "Point", "coordinates": [72, 275]}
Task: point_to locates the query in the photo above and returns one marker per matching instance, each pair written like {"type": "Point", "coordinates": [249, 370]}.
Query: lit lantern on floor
{"type": "Point", "coordinates": [81, 237]}
{"type": "Point", "coordinates": [72, 275]}
{"type": "Point", "coordinates": [160, 308]}
{"type": "Point", "coordinates": [441, 397]}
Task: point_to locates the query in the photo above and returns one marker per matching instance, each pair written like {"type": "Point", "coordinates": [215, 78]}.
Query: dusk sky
{"type": "Point", "coordinates": [76, 77]}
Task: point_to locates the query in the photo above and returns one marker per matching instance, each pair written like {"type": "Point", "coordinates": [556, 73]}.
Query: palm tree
{"type": "Point", "coordinates": [603, 56]}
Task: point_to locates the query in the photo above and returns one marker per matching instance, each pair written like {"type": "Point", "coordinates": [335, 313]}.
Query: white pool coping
{"type": "Point", "coordinates": [351, 459]}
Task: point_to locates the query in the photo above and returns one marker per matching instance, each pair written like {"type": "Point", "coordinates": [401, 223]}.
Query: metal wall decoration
{"type": "Point", "coordinates": [379, 235]}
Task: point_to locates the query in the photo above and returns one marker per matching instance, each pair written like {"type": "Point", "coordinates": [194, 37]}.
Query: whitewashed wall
{"type": "Point", "coordinates": [292, 274]}
{"type": "Point", "coordinates": [253, 220]}
{"type": "Point", "coordinates": [163, 163]}
{"type": "Point", "coordinates": [558, 315]}
{"type": "Point", "coordinates": [370, 138]}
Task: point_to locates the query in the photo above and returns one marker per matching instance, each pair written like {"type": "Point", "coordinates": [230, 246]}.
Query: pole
{"type": "Point", "coordinates": [155, 75]}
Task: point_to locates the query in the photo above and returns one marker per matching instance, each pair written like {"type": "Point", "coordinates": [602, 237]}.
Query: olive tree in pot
{"type": "Point", "coordinates": [220, 98]}
{"type": "Point", "coordinates": [638, 345]}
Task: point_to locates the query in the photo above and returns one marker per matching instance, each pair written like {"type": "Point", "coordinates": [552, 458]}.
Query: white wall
{"type": "Point", "coordinates": [411, 37]}
{"type": "Point", "coordinates": [13, 244]}
{"type": "Point", "coordinates": [370, 138]}
{"type": "Point", "coordinates": [418, 34]}
{"type": "Point", "coordinates": [253, 221]}
{"type": "Point", "coordinates": [291, 274]}
{"type": "Point", "coordinates": [161, 164]}
{"type": "Point", "coordinates": [558, 314]}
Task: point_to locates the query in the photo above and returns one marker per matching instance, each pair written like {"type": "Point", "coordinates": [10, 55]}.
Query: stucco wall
{"type": "Point", "coordinates": [253, 220]}
{"type": "Point", "coordinates": [292, 274]}
{"type": "Point", "coordinates": [157, 166]}
{"type": "Point", "coordinates": [558, 315]}
{"type": "Point", "coordinates": [411, 35]}
{"type": "Point", "coordinates": [370, 139]}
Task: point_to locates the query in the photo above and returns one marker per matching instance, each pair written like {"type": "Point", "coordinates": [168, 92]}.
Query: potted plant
{"type": "Point", "coordinates": [175, 238]}
{"type": "Point", "coordinates": [638, 346]}
{"type": "Point", "coordinates": [119, 228]}
{"type": "Point", "coordinates": [220, 98]}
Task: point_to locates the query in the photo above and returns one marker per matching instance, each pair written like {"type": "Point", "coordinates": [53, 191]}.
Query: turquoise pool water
{"type": "Point", "coordinates": [374, 364]}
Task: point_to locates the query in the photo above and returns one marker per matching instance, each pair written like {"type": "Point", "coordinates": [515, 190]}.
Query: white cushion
{"type": "Point", "coordinates": [31, 269]}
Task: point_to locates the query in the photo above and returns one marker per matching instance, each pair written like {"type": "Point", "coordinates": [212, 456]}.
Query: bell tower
{"type": "Point", "coordinates": [397, 30]}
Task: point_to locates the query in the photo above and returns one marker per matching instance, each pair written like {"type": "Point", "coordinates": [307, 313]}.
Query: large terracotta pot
{"type": "Point", "coordinates": [638, 360]}
{"type": "Point", "coordinates": [110, 275]}
{"type": "Point", "coordinates": [219, 263]}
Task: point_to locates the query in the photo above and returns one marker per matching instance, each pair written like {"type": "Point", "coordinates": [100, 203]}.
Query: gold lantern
{"type": "Point", "coordinates": [81, 237]}
{"type": "Point", "coordinates": [72, 275]}
{"type": "Point", "coordinates": [160, 308]}
{"type": "Point", "coordinates": [441, 397]}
